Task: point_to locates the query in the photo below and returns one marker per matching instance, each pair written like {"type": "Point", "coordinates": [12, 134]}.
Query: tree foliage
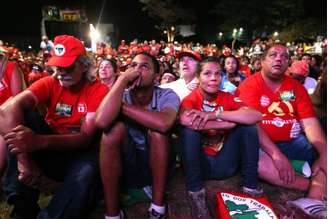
{"type": "Point", "coordinates": [303, 30]}
{"type": "Point", "coordinates": [168, 12]}
{"type": "Point", "coordinates": [257, 16]}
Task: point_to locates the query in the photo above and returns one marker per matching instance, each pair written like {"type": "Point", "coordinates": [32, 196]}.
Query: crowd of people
{"type": "Point", "coordinates": [104, 121]}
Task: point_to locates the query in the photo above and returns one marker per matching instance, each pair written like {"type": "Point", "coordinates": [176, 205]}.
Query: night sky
{"type": "Point", "coordinates": [21, 18]}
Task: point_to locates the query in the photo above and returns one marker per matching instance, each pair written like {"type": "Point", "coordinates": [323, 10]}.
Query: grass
{"type": "Point", "coordinates": [6, 209]}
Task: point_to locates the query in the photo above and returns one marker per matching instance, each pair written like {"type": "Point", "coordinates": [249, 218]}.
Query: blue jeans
{"type": "Point", "coordinates": [298, 149]}
{"type": "Point", "coordinates": [241, 147]}
{"type": "Point", "coordinates": [136, 166]}
{"type": "Point", "coordinates": [77, 170]}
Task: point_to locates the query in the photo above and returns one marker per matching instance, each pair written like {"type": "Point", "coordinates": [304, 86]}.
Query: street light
{"type": "Point", "coordinates": [234, 32]}
{"type": "Point", "coordinates": [276, 34]}
{"type": "Point", "coordinates": [220, 34]}
{"type": "Point", "coordinates": [95, 36]}
{"type": "Point", "coordinates": [235, 35]}
{"type": "Point", "coordinates": [170, 33]}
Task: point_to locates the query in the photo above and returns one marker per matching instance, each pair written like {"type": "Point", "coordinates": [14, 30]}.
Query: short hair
{"type": "Point", "coordinates": [152, 58]}
{"type": "Point", "coordinates": [265, 52]}
{"type": "Point", "coordinates": [85, 60]}
{"type": "Point", "coordinates": [201, 64]}
{"type": "Point", "coordinates": [112, 62]}
{"type": "Point", "coordinates": [306, 54]}
{"type": "Point", "coordinates": [233, 57]}
{"type": "Point", "coordinates": [254, 59]}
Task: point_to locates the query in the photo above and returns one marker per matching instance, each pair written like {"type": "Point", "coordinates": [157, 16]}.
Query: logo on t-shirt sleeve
{"type": "Point", "coordinates": [81, 108]}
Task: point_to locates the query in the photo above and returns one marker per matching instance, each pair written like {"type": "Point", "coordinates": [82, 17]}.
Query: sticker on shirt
{"type": "Point", "coordinates": [287, 96]}
{"type": "Point", "coordinates": [264, 101]}
{"type": "Point", "coordinates": [3, 85]}
{"type": "Point", "coordinates": [82, 108]}
{"type": "Point", "coordinates": [63, 110]}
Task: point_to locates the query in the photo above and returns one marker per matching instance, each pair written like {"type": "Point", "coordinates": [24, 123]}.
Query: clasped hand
{"type": "Point", "coordinates": [21, 139]}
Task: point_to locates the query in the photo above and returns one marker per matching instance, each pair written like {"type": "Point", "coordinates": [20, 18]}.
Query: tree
{"type": "Point", "coordinates": [168, 15]}
{"type": "Point", "coordinates": [306, 29]}
{"type": "Point", "coordinates": [258, 16]}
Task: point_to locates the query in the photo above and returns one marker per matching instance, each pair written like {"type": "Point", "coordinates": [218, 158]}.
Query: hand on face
{"type": "Point", "coordinates": [133, 77]}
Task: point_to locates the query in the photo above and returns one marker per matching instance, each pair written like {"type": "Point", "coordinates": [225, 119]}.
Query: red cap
{"type": "Point", "coordinates": [66, 50]}
{"type": "Point", "coordinates": [190, 53]}
{"type": "Point", "coordinates": [299, 67]}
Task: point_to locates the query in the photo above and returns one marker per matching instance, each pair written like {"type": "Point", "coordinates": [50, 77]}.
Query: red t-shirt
{"type": "Point", "coordinates": [212, 139]}
{"type": "Point", "coordinates": [5, 89]}
{"type": "Point", "coordinates": [66, 109]}
{"type": "Point", "coordinates": [281, 110]}
{"type": "Point", "coordinates": [245, 70]}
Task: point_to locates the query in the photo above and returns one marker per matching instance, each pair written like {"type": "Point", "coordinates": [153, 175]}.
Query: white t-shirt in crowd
{"type": "Point", "coordinates": [310, 84]}
{"type": "Point", "coordinates": [181, 88]}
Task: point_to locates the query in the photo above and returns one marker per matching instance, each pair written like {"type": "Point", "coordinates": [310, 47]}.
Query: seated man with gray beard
{"type": "Point", "coordinates": [63, 147]}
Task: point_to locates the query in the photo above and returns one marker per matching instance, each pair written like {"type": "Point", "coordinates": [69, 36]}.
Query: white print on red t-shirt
{"type": "Point", "coordinates": [237, 100]}
{"type": "Point", "coordinates": [278, 122]}
{"type": "Point", "coordinates": [264, 101]}
{"type": "Point", "coordinates": [295, 130]}
{"type": "Point", "coordinates": [3, 85]}
{"type": "Point", "coordinates": [82, 108]}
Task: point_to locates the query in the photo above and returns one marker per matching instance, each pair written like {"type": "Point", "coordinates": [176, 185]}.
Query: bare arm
{"type": "Point", "coordinates": [317, 138]}
{"type": "Point", "coordinates": [17, 83]}
{"type": "Point", "coordinates": [79, 140]}
{"type": "Point", "coordinates": [159, 121]}
{"type": "Point", "coordinates": [12, 115]}
{"type": "Point", "coordinates": [22, 139]}
{"type": "Point", "coordinates": [208, 120]}
{"type": "Point", "coordinates": [110, 107]}
{"type": "Point", "coordinates": [186, 119]}
{"type": "Point", "coordinates": [12, 111]}
{"type": "Point", "coordinates": [268, 145]}
{"type": "Point", "coordinates": [244, 115]}
{"type": "Point", "coordinates": [281, 162]}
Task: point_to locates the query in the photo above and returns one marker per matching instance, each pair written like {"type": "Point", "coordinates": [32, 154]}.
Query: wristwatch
{"type": "Point", "coordinates": [217, 114]}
